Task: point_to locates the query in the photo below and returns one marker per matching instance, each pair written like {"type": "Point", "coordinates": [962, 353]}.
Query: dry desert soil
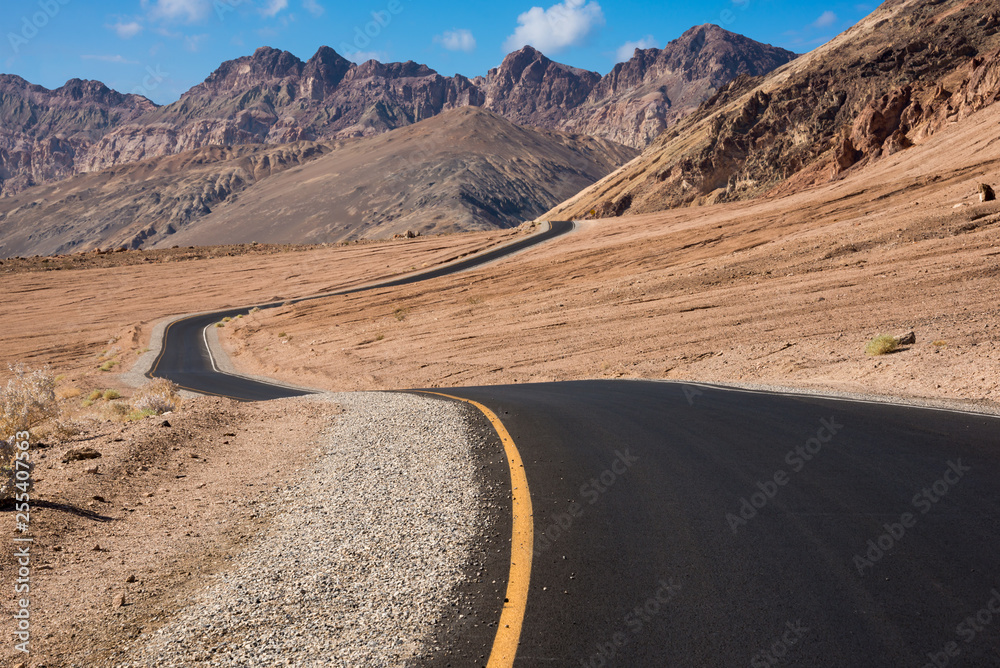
{"type": "Point", "coordinates": [783, 292]}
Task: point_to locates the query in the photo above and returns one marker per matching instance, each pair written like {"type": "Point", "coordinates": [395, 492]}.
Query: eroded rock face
{"type": "Point", "coordinates": [898, 77]}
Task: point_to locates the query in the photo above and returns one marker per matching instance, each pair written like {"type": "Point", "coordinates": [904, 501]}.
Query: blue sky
{"type": "Point", "coordinates": [160, 48]}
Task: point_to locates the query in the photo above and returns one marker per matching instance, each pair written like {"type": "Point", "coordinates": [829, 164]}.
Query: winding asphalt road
{"type": "Point", "coordinates": [689, 525]}
{"type": "Point", "coordinates": [185, 357]}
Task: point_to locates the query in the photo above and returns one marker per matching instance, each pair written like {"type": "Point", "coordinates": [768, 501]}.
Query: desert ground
{"type": "Point", "coordinates": [783, 292]}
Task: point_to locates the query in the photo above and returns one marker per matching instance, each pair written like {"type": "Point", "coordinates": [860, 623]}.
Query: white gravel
{"type": "Point", "coordinates": [360, 558]}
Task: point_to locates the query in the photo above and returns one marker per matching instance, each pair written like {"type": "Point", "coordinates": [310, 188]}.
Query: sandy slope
{"type": "Point", "coordinates": [785, 291]}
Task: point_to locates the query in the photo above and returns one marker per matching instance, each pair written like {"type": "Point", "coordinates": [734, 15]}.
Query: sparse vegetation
{"type": "Point", "coordinates": [111, 394]}
{"type": "Point", "coordinates": [94, 396]}
{"type": "Point", "coordinates": [227, 319]}
{"type": "Point", "coordinates": [881, 345]}
{"type": "Point", "coordinates": [68, 393]}
{"type": "Point", "coordinates": [108, 365]}
{"type": "Point", "coordinates": [159, 396]}
{"type": "Point", "coordinates": [379, 337]}
{"type": "Point", "coordinates": [87, 403]}
{"type": "Point", "coordinates": [401, 313]}
{"type": "Point", "coordinates": [220, 324]}
{"type": "Point", "coordinates": [255, 309]}
{"type": "Point", "coordinates": [282, 335]}
{"type": "Point", "coordinates": [940, 344]}
{"type": "Point", "coordinates": [28, 400]}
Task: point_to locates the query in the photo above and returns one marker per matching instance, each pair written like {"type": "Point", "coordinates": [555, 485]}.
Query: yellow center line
{"type": "Point", "coordinates": [521, 545]}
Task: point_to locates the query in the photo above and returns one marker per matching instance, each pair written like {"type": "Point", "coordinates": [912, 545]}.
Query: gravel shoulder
{"type": "Point", "coordinates": [333, 530]}
{"type": "Point", "coordinates": [360, 558]}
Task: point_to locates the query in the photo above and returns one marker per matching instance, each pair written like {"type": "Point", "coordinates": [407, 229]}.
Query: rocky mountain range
{"type": "Point", "coordinates": [464, 169]}
{"type": "Point", "coordinates": [274, 97]}
{"type": "Point", "coordinates": [890, 82]}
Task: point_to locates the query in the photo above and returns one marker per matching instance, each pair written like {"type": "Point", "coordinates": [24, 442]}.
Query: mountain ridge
{"type": "Point", "coordinates": [272, 96]}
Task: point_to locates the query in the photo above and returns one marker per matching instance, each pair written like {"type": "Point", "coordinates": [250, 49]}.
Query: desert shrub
{"type": "Point", "coordinates": [120, 408]}
{"type": "Point", "coordinates": [881, 345]}
{"type": "Point", "coordinates": [68, 393]}
{"type": "Point", "coordinates": [108, 366]}
{"type": "Point", "coordinates": [220, 324]}
{"type": "Point", "coordinates": [28, 400]}
{"type": "Point", "coordinates": [158, 396]}
{"type": "Point", "coordinates": [95, 396]}
{"type": "Point", "coordinates": [400, 314]}
{"type": "Point", "coordinates": [87, 403]}
{"type": "Point", "coordinates": [135, 416]}
{"type": "Point", "coordinates": [109, 395]}
{"type": "Point", "coordinates": [255, 309]}
{"type": "Point", "coordinates": [227, 319]}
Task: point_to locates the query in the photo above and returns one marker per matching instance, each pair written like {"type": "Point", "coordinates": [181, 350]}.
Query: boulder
{"type": "Point", "coordinates": [986, 193]}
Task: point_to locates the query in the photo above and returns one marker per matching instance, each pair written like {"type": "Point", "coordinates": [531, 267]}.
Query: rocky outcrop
{"type": "Point", "coordinates": [902, 74]}
{"type": "Point", "coordinates": [640, 98]}
{"type": "Point", "coordinates": [43, 132]}
{"type": "Point", "coordinates": [530, 89]}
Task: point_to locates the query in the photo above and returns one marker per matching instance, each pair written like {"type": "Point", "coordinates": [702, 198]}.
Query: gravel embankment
{"type": "Point", "coordinates": [360, 558]}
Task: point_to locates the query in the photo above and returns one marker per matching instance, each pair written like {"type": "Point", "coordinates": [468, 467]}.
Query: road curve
{"type": "Point", "coordinates": [695, 526]}
{"type": "Point", "coordinates": [185, 357]}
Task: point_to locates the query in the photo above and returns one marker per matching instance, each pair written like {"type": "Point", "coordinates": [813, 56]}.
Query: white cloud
{"type": "Point", "coordinates": [550, 30]}
{"type": "Point", "coordinates": [126, 30]}
{"type": "Point", "coordinates": [313, 7]}
{"type": "Point", "coordinates": [457, 40]}
{"type": "Point", "coordinates": [118, 59]}
{"type": "Point", "coordinates": [187, 11]}
{"type": "Point", "coordinates": [825, 20]}
{"type": "Point", "coordinates": [627, 50]}
{"type": "Point", "coordinates": [273, 7]}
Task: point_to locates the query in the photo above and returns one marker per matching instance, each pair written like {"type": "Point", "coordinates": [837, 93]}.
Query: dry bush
{"type": "Point", "coordinates": [156, 397]}
{"type": "Point", "coordinates": [882, 345]}
{"type": "Point", "coordinates": [28, 400]}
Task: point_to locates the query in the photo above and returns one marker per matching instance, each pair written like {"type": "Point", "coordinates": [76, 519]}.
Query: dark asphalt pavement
{"type": "Point", "coordinates": [692, 526]}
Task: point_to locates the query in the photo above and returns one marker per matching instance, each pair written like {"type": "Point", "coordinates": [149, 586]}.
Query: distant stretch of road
{"type": "Point", "coordinates": [696, 526]}
{"type": "Point", "coordinates": [186, 360]}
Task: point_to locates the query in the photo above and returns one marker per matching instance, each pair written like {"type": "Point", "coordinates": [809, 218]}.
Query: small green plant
{"type": "Point", "coordinates": [239, 317]}
{"type": "Point", "coordinates": [255, 309]}
{"type": "Point", "coordinates": [282, 335]}
{"type": "Point", "coordinates": [940, 344]}
{"type": "Point", "coordinates": [475, 300]}
{"type": "Point", "coordinates": [401, 313]}
{"type": "Point", "coordinates": [220, 324]}
{"type": "Point", "coordinates": [94, 396]}
{"type": "Point", "coordinates": [379, 337]}
{"type": "Point", "coordinates": [111, 394]}
{"type": "Point", "coordinates": [227, 319]}
{"type": "Point", "coordinates": [137, 415]}
{"type": "Point", "coordinates": [108, 366]}
{"type": "Point", "coordinates": [87, 403]}
{"type": "Point", "coordinates": [881, 345]}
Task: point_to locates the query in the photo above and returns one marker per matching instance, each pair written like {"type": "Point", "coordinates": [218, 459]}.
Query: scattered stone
{"type": "Point", "coordinates": [130, 578]}
{"type": "Point", "coordinates": [907, 339]}
{"type": "Point", "coordinates": [93, 469]}
{"type": "Point", "coordinates": [986, 193]}
{"type": "Point", "coordinates": [79, 454]}
{"type": "Point", "coordinates": [165, 423]}
{"type": "Point", "coordinates": [119, 600]}
{"type": "Point", "coordinates": [98, 548]}
{"type": "Point", "coordinates": [98, 497]}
